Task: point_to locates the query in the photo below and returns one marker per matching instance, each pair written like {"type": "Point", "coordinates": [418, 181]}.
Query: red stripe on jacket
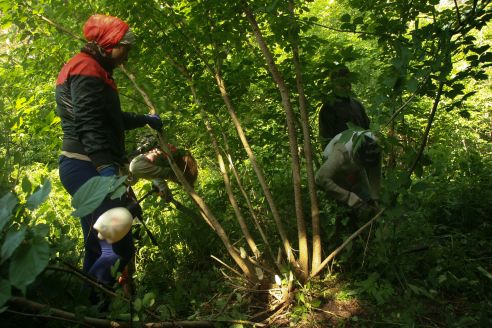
{"type": "Point", "coordinates": [86, 65]}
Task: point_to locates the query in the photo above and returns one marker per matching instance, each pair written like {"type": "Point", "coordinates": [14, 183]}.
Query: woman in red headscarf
{"type": "Point", "coordinates": [94, 130]}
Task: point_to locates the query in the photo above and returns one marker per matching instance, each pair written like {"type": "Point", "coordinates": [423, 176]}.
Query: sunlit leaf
{"type": "Point", "coordinates": [26, 185]}
{"type": "Point", "coordinates": [148, 300]}
{"type": "Point", "coordinates": [91, 195]}
{"type": "Point", "coordinates": [27, 262]}
{"type": "Point", "coordinates": [7, 205]}
{"type": "Point", "coordinates": [12, 241]}
{"type": "Point", "coordinates": [39, 196]}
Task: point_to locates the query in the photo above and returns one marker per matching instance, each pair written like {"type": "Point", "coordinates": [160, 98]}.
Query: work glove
{"type": "Point", "coordinates": [366, 209]}
{"type": "Point", "coordinates": [108, 170]}
{"type": "Point", "coordinates": [353, 200]}
{"type": "Point", "coordinates": [162, 190]}
{"type": "Point", "coordinates": [374, 203]}
{"type": "Point", "coordinates": [154, 121]}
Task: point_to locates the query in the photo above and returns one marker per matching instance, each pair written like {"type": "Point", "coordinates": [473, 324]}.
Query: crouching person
{"type": "Point", "coordinates": [352, 174]}
{"type": "Point", "coordinates": [153, 165]}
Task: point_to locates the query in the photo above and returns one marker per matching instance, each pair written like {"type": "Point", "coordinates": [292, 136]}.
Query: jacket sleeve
{"type": "Point", "coordinates": [325, 123]}
{"type": "Point", "coordinates": [87, 94]}
{"type": "Point", "coordinates": [143, 168]}
{"type": "Point", "coordinates": [364, 119]}
{"type": "Point", "coordinates": [132, 121]}
{"type": "Point", "coordinates": [329, 169]}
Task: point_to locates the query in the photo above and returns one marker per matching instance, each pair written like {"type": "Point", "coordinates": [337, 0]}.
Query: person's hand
{"type": "Point", "coordinates": [108, 170]}
{"type": "Point", "coordinates": [367, 209]}
{"type": "Point", "coordinates": [154, 121]}
{"type": "Point", "coordinates": [353, 200]}
{"type": "Point", "coordinates": [162, 190]}
{"type": "Point", "coordinates": [374, 203]}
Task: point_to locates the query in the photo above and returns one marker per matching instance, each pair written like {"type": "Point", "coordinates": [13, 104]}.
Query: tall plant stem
{"type": "Point", "coordinates": [245, 265]}
{"type": "Point", "coordinates": [308, 150]}
{"type": "Point", "coordinates": [290, 118]}
{"type": "Point", "coordinates": [425, 137]}
{"type": "Point", "coordinates": [242, 136]}
{"type": "Point", "coordinates": [232, 199]}
{"type": "Point", "coordinates": [257, 169]}
{"type": "Point", "coordinates": [250, 206]}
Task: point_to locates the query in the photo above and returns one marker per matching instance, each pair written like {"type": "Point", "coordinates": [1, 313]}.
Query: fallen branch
{"type": "Point", "coordinates": [89, 280]}
{"type": "Point", "coordinates": [227, 266]}
{"type": "Point", "coordinates": [345, 243]}
{"type": "Point", "coordinates": [267, 315]}
{"type": "Point", "coordinates": [47, 317]}
{"type": "Point", "coordinates": [57, 314]}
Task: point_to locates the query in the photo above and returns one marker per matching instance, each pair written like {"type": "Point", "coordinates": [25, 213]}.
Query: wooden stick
{"type": "Point", "coordinates": [345, 243]}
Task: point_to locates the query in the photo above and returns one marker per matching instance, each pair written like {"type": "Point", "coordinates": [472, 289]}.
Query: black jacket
{"type": "Point", "coordinates": [334, 116]}
{"type": "Point", "coordinates": [89, 107]}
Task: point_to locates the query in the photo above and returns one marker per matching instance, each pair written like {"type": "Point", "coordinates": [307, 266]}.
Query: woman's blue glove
{"type": "Point", "coordinates": [108, 170]}
{"type": "Point", "coordinates": [154, 121]}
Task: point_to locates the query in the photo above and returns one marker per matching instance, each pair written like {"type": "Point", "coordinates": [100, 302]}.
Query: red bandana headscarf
{"type": "Point", "coordinates": [106, 31]}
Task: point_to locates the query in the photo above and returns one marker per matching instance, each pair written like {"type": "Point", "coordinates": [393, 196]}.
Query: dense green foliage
{"type": "Point", "coordinates": [422, 71]}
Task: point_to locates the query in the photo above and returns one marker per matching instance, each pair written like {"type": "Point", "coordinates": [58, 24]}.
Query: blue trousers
{"type": "Point", "coordinates": [99, 256]}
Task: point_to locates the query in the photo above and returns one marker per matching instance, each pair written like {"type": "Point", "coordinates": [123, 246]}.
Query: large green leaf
{"type": "Point", "coordinates": [91, 195]}
{"type": "Point", "coordinates": [345, 18]}
{"type": "Point", "coordinates": [118, 183]}
{"type": "Point", "coordinates": [7, 204]}
{"type": "Point", "coordinates": [39, 196]}
{"type": "Point", "coordinates": [12, 241]}
{"type": "Point", "coordinates": [119, 192]}
{"type": "Point", "coordinates": [28, 261]}
{"type": "Point", "coordinates": [5, 292]}
{"type": "Point", "coordinates": [411, 84]}
{"type": "Point", "coordinates": [41, 230]}
{"type": "Point", "coordinates": [26, 185]}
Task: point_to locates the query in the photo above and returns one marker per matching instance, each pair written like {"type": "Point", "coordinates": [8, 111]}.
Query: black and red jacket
{"type": "Point", "coordinates": [334, 116]}
{"type": "Point", "coordinates": [89, 107]}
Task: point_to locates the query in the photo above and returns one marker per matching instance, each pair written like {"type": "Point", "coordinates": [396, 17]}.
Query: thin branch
{"type": "Point", "coordinates": [303, 270]}
{"type": "Point", "coordinates": [458, 14]}
{"type": "Point", "coordinates": [226, 265]}
{"type": "Point", "coordinates": [366, 247]}
{"type": "Point", "coordinates": [58, 26]}
{"type": "Point", "coordinates": [103, 323]}
{"type": "Point", "coordinates": [85, 278]}
{"type": "Point", "coordinates": [225, 176]}
{"type": "Point", "coordinates": [258, 170]}
{"type": "Point", "coordinates": [308, 149]}
{"type": "Point", "coordinates": [343, 31]}
{"type": "Point", "coordinates": [428, 128]}
{"type": "Point", "coordinates": [226, 303]}
{"type": "Point", "coordinates": [144, 95]}
{"type": "Point", "coordinates": [89, 280]}
{"type": "Point", "coordinates": [48, 317]}
{"type": "Point", "coordinates": [38, 307]}
{"type": "Point", "coordinates": [407, 102]}
{"type": "Point", "coordinates": [329, 312]}
{"type": "Point", "coordinates": [250, 206]}
{"type": "Point", "coordinates": [345, 243]}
